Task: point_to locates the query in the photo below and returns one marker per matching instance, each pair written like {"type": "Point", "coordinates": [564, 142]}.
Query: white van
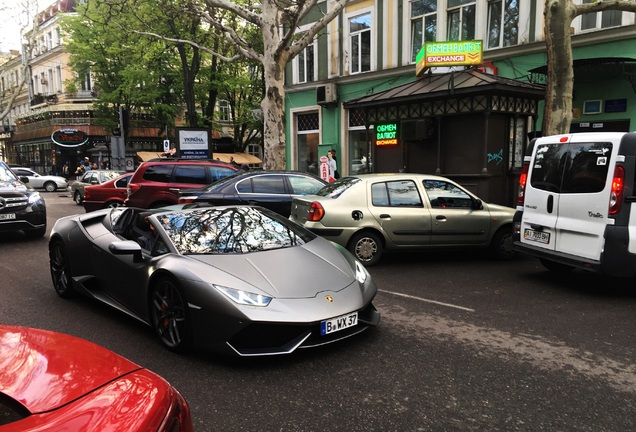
{"type": "Point", "coordinates": [575, 200]}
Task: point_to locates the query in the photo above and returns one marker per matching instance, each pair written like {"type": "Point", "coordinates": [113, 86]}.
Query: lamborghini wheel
{"type": "Point", "coordinates": [60, 270]}
{"type": "Point", "coordinates": [169, 315]}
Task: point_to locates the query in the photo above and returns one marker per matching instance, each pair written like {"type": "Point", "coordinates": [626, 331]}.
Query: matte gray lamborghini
{"type": "Point", "coordinates": [237, 280]}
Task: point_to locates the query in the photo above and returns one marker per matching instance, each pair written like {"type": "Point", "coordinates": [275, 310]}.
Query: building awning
{"type": "Point", "coordinates": [239, 158]}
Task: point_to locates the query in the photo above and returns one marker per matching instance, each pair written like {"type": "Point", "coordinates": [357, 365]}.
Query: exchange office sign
{"type": "Point", "coordinates": [449, 53]}
{"type": "Point", "coordinates": [69, 137]}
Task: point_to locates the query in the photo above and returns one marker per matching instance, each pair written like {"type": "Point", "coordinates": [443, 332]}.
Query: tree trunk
{"type": "Point", "coordinates": [560, 83]}
{"type": "Point", "coordinates": [273, 106]}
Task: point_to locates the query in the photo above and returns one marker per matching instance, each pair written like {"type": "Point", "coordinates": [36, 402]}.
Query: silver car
{"type": "Point", "coordinates": [91, 177]}
{"type": "Point", "coordinates": [50, 183]}
{"type": "Point", "coordinates": [372, 213]}
{"type": "Point", "coordinates": [237, 280]}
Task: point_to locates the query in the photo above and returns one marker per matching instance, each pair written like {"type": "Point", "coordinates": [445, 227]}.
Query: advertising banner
{"type": "Point", "coordinates": [193, 143]}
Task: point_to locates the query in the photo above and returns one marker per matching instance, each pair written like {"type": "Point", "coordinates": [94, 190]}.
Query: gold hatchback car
{"type": "Point", "coordinates": [372, 213]}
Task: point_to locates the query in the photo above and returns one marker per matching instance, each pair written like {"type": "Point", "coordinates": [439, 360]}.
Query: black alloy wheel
{"type": "Point", "coordinates": [367, 247]}
{"type": "Point", "coordinates": [60, 270]}
{"type": "Point", "coordinates": [169, 315]}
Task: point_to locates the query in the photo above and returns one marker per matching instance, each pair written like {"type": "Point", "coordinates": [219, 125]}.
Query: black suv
{"type": "Point", "coordinates": [156, 183]}
{"type": "Point", "coordinates": [21, 206]}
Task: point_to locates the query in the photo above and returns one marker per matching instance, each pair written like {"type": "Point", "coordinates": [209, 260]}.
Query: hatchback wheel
{"type": "Point", "coordinates": [77, 197]}
{"type": "Point", "coordinates": [50, 187]}
{"type": "Point", "coordinates": [60, 270]}
{"type": "Point", "coordinates": [169, 315]}
{"type": "Point", "coordinates": [367, 247]}
{"type": "Point", "coordinates": [501, 245]}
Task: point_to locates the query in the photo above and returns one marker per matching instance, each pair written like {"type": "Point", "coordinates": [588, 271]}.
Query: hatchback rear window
{"type": "Point", "coordinates": [571, 168]}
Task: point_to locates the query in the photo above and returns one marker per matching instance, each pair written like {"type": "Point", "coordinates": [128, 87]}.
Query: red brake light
{"type": "Point", "coordinates": [316, 212]}
{"type": "Point", "coordinates": [616, 195]}
{"type": "Point", "coordinates": [523, 178]}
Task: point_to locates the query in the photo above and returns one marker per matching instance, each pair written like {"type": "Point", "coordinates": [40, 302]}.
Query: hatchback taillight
{"type": "Point", "coordinates": [523, 178]}
{"type": "Point", "coordinates": [132, 188]}
{"type": "Point", "coordinates": [316, 212]}
{"type": "Point", "coordinates": [616, 195]}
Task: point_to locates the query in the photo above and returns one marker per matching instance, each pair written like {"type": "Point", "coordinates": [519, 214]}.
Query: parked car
{"type": "Point", "coordinates": [575, 207]}
{"type": "Point", "coordinates": [91, 177]}
{"type": "Point", "coordinates": [237, 280]}
{"type": "Point", "coordinates": [270, 189]}
{"type": "Point", "coordinates": [156, 183]}
{"type": "Point", "coordinates": [373, 213]}
{"type": "Point", "coordinates": [361, 166]}
{"type": "Point", "coordinates": [112, 193]}
{"type": "Point", "coordinates": [56, 382]}
{"type": "Point", "coordinates": [50, 183]}
{"type": "Point", "coordinates": [22, 208]}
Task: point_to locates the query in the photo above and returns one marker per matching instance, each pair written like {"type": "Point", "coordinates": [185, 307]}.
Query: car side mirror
{"type": "Point", "coordinates": [126, 247]}
{"type": "Point", "coordinates": [477, 204]}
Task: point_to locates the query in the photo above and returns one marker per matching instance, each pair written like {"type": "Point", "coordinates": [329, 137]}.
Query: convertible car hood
{"type": "Point", "coordinates": [295, 272]}
{"type": "Point", "coordinates": [44, 370]}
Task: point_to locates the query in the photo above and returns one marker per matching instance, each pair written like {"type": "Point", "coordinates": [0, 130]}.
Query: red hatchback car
{"type": "Point", "coordinates": [113, 193]}
{"type": "Point", "coordinates": [55, 382]}
{"type": "Point", "coordinates": [156, 183]}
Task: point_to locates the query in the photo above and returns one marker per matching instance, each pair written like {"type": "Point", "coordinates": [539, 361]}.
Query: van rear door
{"type": "Point", "coordinates": [567, 195]}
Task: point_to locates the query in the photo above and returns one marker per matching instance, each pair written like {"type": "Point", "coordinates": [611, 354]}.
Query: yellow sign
{"type": "Point", "coordinates": [450, 53]}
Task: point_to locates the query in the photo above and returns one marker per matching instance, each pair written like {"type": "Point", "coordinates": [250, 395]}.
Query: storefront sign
{"type": "Point", "coordinates": [69, 137]}
{"type": "Point", "coordinates": [386, 134]}
{"type": "Point", "coordinates": [193, 143]}
{"type": "Point", "coordinates": [449, 53]}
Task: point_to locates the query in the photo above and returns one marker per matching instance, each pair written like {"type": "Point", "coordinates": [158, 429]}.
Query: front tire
{"type": "Point", "coordinates": [169, 315]}
{"type": "Point", "coordinates": [60, 270]}
{"type": "Point", "coordinates": [50, 187]}
{"type": "Point", "coordinates": [77, 197]}
{"type": "Point", "coordinates": [367, 247]}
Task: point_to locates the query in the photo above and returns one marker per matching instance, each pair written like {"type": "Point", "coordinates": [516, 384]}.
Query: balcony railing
{"type": "Point", "coordinates": [40, 99]}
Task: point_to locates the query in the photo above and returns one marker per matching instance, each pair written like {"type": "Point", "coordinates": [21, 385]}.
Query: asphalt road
{"type": "Point", "coordinates": [465, 344]}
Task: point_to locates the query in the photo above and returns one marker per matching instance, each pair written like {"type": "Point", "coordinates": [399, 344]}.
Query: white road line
{"type": "Point", "coordinates": [428, 301]}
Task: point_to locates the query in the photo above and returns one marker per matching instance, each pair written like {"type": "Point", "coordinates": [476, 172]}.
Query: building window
{"type": "Point", "coordinates": [360, 43]}
{"type": "Point", "coordinates": [304, 65]}
{"type": "Point", "coordinates": [605, 19]}
{"type": "Point", "coordinates": [308, 136]}
{"type": "Point", "coordinates": [423, 24]}
{"type": "Point", "coordinates": [224, 110]}
{"type": "Point", "coordinates": [461, 20]}
{"type": "Point", "coordinates": [503, 23]}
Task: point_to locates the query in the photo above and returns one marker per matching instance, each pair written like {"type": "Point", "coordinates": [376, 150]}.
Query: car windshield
{"type": "Point", "coordinates": [335, 189]}
{"type": "Point", "coordinates": [6, 174]}
{"type": "Point", "coordinates": [232, 230]}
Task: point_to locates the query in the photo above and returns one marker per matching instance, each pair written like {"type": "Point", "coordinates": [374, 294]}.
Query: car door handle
{"type": "Point", "coordinates": [440, 218]}
{"type": "Point", "coordinates": [385, 216]}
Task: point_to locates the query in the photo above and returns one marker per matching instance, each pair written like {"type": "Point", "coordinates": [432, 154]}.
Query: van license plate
{"type": "Point", "coordinates": [339, 323]}
{"type": "Point", "coordinates": [536, 236]}
{"type": "Point", "coordinates": [7, 216]}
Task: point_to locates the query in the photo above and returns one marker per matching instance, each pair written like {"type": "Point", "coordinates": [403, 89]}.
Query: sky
{"type": "Point", "coordinates": [12, 12]}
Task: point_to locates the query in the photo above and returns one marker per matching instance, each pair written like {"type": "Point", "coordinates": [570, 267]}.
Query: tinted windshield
{"type": "Point", "coordinates": [231, 230]}
{"type": "Point", "coordinates": [6, 174]}
{"type": "Point", "coordinates": [335, 189]}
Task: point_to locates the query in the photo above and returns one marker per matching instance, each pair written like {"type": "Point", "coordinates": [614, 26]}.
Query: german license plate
{"type": "Point", "coordinates": [338, 323]}
{"type": "Point", "coordinates": [536, 236]}
{"type": "Point", "coordinates": [7, 216]}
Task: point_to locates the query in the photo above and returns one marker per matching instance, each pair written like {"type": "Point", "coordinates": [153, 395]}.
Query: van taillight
{"type": "Point", "coordinates": [523, 178]}
{"type": "Point", "coordinates": [616, 195]}
{"type": "Point", "coordinates": [316, 212]}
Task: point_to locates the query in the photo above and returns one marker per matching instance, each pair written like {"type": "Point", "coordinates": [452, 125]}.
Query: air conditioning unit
{"type": "Point", "coordinates": [327, 94]}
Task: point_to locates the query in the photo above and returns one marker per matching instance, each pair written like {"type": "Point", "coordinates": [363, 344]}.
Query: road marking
{"type": "Point", "coordinates": [428, 301]}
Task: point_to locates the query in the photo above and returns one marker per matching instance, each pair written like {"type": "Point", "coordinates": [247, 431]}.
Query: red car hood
{"type": "Point", "coordinates": [44, 370]}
